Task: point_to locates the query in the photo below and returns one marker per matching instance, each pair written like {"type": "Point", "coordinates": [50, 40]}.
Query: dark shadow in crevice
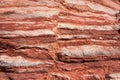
{"type": "Point", "coordinates": [8, 13]}
{"type": "Point", "coordinates": [10, 78]}
{"type": "Point", "coordinates": [7, 46]}
{"type": "Point", "coordinates": [119, 31]}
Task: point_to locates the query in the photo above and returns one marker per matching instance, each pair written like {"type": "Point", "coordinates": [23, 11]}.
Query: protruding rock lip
{"type": "Point", "coordinates": [19, 61]}
{"type": "Point", "coordinates": [67, 37]}
{"type": "Point", "coordinates": [109, 9]}
{"type": "Point", "coordinates": [28, 12]}
{"type": "Point", "coordinates": [113, 76]}
{"type": "Point", "coordinates": [86, 27]}
{"type": "Point", "coordinates": [91, 76]}
{"type": "Point", "coordinates": [25, 25]}
{"type": "Point", "coordinates": [26, 3]}
{"type": "Point", "coordinates": [29, 33]}
{"type": "Point", "coordinates": [56, 75]}
{"type": "Point", "coordinates": [90, 52]}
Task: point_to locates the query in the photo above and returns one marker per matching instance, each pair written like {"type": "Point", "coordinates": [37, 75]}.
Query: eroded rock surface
{"type": "Point", "coordinates": [59, 40]}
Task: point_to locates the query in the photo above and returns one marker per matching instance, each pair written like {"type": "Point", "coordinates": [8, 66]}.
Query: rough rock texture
{"type": "Point", "coordinates": [60, 40]}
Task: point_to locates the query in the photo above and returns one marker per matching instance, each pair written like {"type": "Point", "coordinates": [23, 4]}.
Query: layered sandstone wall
{"type": "Point", "coordinates": [59, 40]}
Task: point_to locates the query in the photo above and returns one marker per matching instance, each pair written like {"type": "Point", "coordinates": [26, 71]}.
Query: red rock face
{"type": "Point", "coordinates": [59, 40]}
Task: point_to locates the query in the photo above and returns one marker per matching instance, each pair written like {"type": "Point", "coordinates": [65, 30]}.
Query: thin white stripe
{"type": "Point", "coordinates": [73, 36]}
{"type": "Point", "coordinates": [87, 27]}
{"type": "Point", "coordinates": [26, 33]}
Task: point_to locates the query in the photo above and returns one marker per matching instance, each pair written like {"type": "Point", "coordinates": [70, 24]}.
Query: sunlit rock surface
{"type": "Point", "coordinates": [59, 40]}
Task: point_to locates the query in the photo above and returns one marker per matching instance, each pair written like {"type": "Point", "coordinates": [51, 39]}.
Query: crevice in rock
{"type": "Point", "coordinates": [7, 46]}
{"type": "Point", "coordinates": [83, 60]}
{"type": "Point", "coordinates": [5, 69]}
{"type": "Point", "coordinates": [8, 13]}
{"type": "Point", "coordinates": [118, 16]}
{"type": "Point", "coordinates": [64, 39]}
{"type": "Point", "coordinates": [10, 78]}
{"type": "Point", "coordinates": [107, 77]}
{"type": "Point", "coordinates": [119, 31]}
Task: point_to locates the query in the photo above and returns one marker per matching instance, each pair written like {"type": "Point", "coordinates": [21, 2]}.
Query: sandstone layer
{"type": "Point", "coordinates": [60, 40]}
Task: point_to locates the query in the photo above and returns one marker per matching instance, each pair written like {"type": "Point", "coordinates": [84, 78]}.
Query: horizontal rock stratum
{"type": "Point", "coordinates": [60, 40]}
